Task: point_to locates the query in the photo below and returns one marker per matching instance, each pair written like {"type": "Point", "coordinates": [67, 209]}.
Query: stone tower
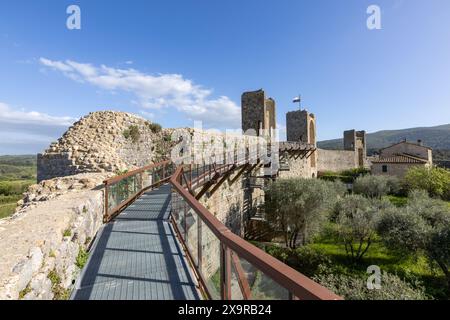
{"type": "Point", "coordinates": [356, 141]}
{"type": "Point", "coordinates": [301, 127]}
{"type": "Point", "coordinates": [258, 112]}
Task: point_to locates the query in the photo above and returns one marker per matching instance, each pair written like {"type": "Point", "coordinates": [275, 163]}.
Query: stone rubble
{"type": "Point", "coordinates": [99, 143]}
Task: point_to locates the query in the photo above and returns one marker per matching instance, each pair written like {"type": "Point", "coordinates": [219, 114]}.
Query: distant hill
{"type": "Point", "coordinates": [18, 167]}
{"type": "Point", "coordinates": [435, 137]}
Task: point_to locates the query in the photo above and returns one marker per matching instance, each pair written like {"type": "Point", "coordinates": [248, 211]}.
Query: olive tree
{"type": "Point", "coordinates": [422, 226]}
{"type": "Point", "coordinates": [356, 219]}
{"type": "Point", "coordinates": [297, 207]}
{"type": "Point", "coordinates": [436, 181]}
{"type": "Point", "coordinates": [375, 186]}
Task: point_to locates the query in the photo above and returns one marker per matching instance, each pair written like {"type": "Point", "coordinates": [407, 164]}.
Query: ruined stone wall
{"type": "Point", "coordinates": [41, 241]}
{"type": "Point", "coordinates": [103, 142]}
{"type": "Point", "coordinates": [336, 160]}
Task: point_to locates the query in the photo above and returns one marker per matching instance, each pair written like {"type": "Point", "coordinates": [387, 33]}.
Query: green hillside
{"type": "Point", "coordinates": [16, 174]}
{"type": "Point", "coordinates": [434, 137]}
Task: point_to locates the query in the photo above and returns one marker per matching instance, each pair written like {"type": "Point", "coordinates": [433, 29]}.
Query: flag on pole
{"type": "Point", "coordinates": [297, 99]}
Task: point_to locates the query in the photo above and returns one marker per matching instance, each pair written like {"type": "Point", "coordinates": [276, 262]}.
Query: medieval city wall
{"type": "Point", "coordinates": [336, 160]}
{"type": "Point", "coordinates": [299, 168]}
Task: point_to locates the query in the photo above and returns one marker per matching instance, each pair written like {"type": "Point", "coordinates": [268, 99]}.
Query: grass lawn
{"type": "Point", "coordinates": [406, 267]}
{"type": "Point", "coordinates": [7, 209]}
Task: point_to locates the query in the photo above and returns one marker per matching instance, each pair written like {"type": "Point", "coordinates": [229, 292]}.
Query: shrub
{"type": "Point", "coordinates": [355, 287]}
{"type": "Point", "coordinates": [58, 291]}
{"type": "Point", "coordinates": [374, 186]}
{"type": "Point", "coordinates": [304, 259]}
{"type": "Point", "coordinates": [133, 133]}
{"type": "Point", "coordinates": [154, 127]}
{"type": "Point", "coordinates": [436, 181]}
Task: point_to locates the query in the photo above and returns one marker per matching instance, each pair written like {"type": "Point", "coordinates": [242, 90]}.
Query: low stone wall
{"type": "Point", "coordinates": [336, 160]}
{"type": "Point", "coordinates": [41, 242]}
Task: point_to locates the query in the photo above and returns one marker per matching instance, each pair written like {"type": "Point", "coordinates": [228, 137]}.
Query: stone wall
{"type": "Point", "coordinates": [336, 160]}
{"type": "Point", "coordinates": [300, 168]}
{"type": "Point", "coordinates": [104, 142]}
{"type": "Point", "coordinates": [42, 240]}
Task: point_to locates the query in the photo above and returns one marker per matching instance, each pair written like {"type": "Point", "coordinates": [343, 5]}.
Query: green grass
{"type": "Point", "coordinates": [81, 258]}
{"type": "Point", "coordinates": [7, 209]}
{"type": "Point", "coordinates": [16, 187]}
{"type": "Point", "coordinates": [59, 292]}
{"type": "Point", "coordinates": [398, 201]}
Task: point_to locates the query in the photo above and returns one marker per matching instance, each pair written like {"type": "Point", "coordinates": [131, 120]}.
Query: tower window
{"type": "Point", "coordinates": [384, 168]}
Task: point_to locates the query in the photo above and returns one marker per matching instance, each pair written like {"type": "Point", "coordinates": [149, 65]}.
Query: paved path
{"type": "Point", "coordinates": [137, 256]}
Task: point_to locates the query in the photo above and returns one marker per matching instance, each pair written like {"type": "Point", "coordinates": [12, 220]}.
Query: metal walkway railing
{"type": "Point", "coordinates": [225, 265]}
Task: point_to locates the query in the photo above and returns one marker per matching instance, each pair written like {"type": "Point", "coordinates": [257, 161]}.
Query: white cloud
{"type": "Point", "coordinates": [29, 131]}
{"type": "Point", "coordinates": [10, 115]}
{"type": "Point", "coordinates": [155, 91]}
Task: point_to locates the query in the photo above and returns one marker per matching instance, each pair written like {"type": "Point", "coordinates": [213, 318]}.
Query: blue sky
{"type": "Point", "coordinates": [178, 61]}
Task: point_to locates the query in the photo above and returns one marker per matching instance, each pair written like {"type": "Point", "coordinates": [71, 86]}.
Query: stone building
{"type": "Point", "coordinates": [397, 159]}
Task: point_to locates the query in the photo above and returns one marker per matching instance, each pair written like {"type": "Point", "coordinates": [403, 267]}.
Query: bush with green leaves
{"type": "Point", "coordinates": [375, 186]}
{"type": "Point", "coordinates": [132, 133]}
{"type": "Point", "coordinates": [422, 226]}
{"type": "Point", "coordinates": [297, 207]}
{"type": "Point", "coordinates": [436, 181]}
{"type": "Point", "coordinates": [153, 126]}
{"type": "Point", "coordinates": [304, 259]}
{"type": "Point", "coordinates": [354, 287]}
{"type": "Point", "coordinates": [356, 219]}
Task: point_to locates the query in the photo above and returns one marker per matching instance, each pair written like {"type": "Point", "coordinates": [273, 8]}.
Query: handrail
{"type": "Point", "coordinates": [232, 247]}
{"type": "Point", "coordinates": [296, 283]}
{"type": "Point", "coordinates": [130, 185]}
{"type": "Point", "coordinates": [133, 172]}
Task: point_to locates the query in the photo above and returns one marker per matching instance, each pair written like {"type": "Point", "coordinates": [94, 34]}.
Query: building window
{"type": "Point", "coordinates": [384, 168]}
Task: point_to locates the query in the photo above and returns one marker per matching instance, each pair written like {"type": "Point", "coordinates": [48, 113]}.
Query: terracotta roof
{"type": "Point", "coordinates": [408, 142]}
{"type": "Point", "coordinates": [400, 158]}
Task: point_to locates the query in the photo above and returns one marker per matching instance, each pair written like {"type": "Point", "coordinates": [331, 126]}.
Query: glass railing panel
{"type": "Point", "coordinates": [236, 291]}
{"type": "Point", "coordinates": [262, 287]}
{"type": "Point", "coordinates": [192, 232]}
{"type": "Point", "coordinates": [178, 213]}
{"type": "Point", "coordinates": [210, 261]}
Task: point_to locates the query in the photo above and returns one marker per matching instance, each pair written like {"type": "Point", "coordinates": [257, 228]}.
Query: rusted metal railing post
{"type": "Point", "coordinates": [105, 216]}
{"type": "Point", "coordinates": [225, 271]}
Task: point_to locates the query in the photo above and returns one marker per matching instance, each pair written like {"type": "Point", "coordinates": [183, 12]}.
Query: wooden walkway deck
{"type": "Point", "coordinates": [137, 256]}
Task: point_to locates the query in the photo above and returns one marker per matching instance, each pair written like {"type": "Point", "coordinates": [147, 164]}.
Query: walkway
{"type": "Point", "coordinates": [137, 256]}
